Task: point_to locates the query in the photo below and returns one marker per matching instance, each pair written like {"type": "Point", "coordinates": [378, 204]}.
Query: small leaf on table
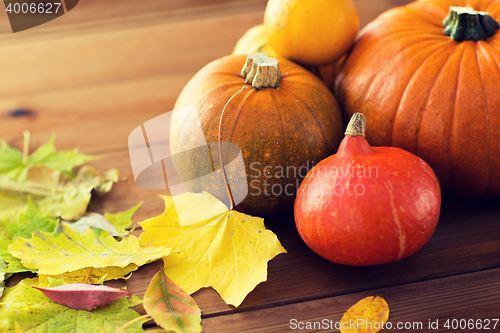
{"type": "Point", "coordinates": [224, 249]}
{"type": "Point", "coordinates": [171, 307]}
{"type": "Point", "coordinates": [83, 296]}
{"type": "Point", "coordinates": [369, 315]}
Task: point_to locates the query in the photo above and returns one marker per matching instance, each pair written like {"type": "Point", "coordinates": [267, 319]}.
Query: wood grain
{"type": "Point", "coordinates": [414, 305]}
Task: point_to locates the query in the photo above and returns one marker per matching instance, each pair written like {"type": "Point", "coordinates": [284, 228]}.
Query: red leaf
{"type": "Point", "coordinates": [82, 296]}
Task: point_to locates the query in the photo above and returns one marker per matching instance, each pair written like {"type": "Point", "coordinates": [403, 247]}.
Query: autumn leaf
{"type": "Point", "coordinates": [29, 221]}
{"type": "Point", "coordinates": [369, 316]}
{"type": "Point", "coordinates": [35, 312]}
{"type": "Point", "coordinates": [32, 219]}
{"type": "Point", "coordinates": [3, 265]}
{"type": "Point", "coordinates": [93, 275]}
{"type": "Point", "coordinates": [10, 264]}
{"type": "Point", "coordinates": [93, 220]}
{"type": "Point", "coordinates": [67, 250]}
{"type": "Point", "coordinates": [18, 328]}
{"type": "Point", "coordinates": [13, 264]}
{"type": "Point", "coordinates": [83, 296]}
{"type": "Point", "coordinates": [224, 249]}
{"type": "Point", "coordinates": [4, 232]}
{"type": "Point", "coordinates": [171, 307]}
{"type": "Point", "coordinates": [116, 224]}
{"type": "Point", "coordinates": [53, 192]}
{"type": "Point", "coordinates": [13, 166]}
{"type": "Point", "coordinates": [122, 220]}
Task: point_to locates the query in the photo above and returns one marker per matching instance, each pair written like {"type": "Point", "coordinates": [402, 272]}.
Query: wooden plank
{"type": "Point", "coordinates": [90, 13]}
{"type": "Point", "coordinates": [119, 55]}
{"type": "Point", "coordinates": [415, 305]}
{"type": "Point", "coordinates": [116, 14]}
{"type": "Point", "coordinates": [94, 117]}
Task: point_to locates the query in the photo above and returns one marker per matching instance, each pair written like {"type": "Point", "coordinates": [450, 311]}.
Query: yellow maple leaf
{"type": "Point", "coordinates": [367, 316]}
{"type": "Point", "coordinates": [67, 250]}
{"type": "Point", "coordinates": [213, 246]}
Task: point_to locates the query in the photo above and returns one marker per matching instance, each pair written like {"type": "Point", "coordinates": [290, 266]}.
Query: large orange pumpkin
{"type": "Point", "coordinates": [429, 82]}
{"type": "Point", "coordinates": [282, 129]}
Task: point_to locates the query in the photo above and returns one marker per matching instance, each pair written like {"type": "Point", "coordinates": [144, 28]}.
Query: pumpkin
{"type": "Point", "coordinates": [426, 76]}
{"type": "Point", "coordinates": [254, 40]}
{"type": "Point", "coordinates": [311, 32]}
{"type": "Point", "coordinates": [367, 205]}
{"type": "Point", "coordinates": [282, 118]}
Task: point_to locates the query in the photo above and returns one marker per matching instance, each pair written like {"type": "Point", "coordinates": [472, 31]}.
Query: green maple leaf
{"type": "Point", "coordinates": [67, 250]}
{"type": "Point", "coordinates": [13, 265]}
{"type": "Point", "coordinates": [12, 165]}
{"type": "Point", "coordinates": [35, 312]}
{"type": "Point", "coordinates": [33, 219]}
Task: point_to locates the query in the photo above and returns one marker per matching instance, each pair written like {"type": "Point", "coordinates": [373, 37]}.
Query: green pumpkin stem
{"type": "Point", "coordinates": [465, 23]}
{"type": "Point", "coordinates": [357, 125]}
{"type": "Point", "coordinates": [261, 71]}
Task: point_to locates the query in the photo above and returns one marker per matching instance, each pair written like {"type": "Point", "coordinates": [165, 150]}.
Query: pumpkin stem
{"type": "Point", "coordinates": [465, 23]}
{"type": "Point", "coordinates": [357, 125]}
{"type": "Point", "coordinates": [261, 71]}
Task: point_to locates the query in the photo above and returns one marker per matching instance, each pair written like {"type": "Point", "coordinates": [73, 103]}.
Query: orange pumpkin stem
{"type": "Point", "coordinates": [465, 23]}
{"type": "Point", "coordinates": [261, 71]}
{"type": "Point", "coordinates": [357, 125]}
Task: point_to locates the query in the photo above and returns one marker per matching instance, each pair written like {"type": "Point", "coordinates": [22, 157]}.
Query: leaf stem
{"type": "Point", "coordinates": [88, 275]}
{"type": "Point", "coordinates": [26, 146]}
{"type": "Point", "coordinates": [219, 138]}
{"type": "Point", "coordinates": [132, 321]}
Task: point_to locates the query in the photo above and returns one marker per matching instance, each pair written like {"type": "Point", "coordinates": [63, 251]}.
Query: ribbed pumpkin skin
{"type": "Point", "coordinates": [296, 125]}
{"type": "Point", "coordinates": [425, 93]}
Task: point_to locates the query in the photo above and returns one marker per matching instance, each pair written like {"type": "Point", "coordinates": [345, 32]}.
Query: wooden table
{"type": "Point", "coordinates": [96, 73]}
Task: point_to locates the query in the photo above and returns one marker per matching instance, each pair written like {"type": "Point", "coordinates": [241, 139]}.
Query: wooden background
{"type": "Point", "coordinates": [98, 72]}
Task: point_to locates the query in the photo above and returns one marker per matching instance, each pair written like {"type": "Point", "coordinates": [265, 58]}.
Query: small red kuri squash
{"type": "Point", "coordinates": [367, 205]}
{"type": "Point", "coordinates": [427, 78]}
